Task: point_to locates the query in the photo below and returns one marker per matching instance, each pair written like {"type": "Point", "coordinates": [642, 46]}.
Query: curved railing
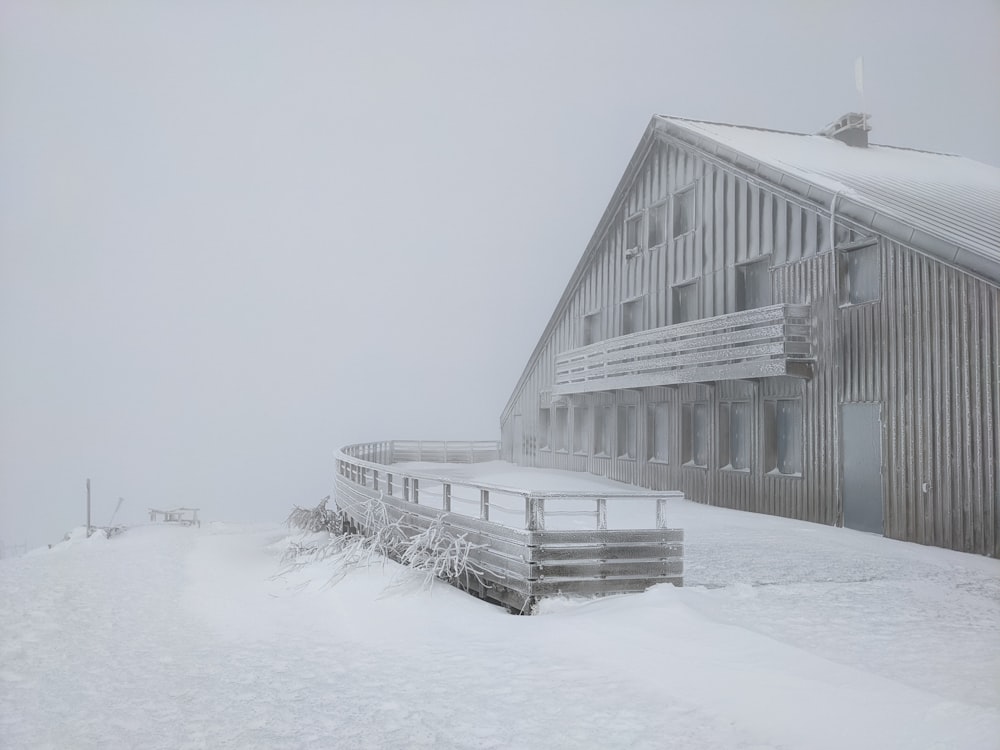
{"type": "Point", "coordinates": [371, 464]}
{"type": "Point", "coordinates": [509, 531]}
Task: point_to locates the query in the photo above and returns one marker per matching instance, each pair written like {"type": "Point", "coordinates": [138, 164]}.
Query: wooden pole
{"type": "Point", "coordinates": [88, 507]}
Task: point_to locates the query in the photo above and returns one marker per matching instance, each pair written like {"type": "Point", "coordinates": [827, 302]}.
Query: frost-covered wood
{"type": "Point", "coordinates": [510, 565]}
{"type": "Point", "coordinates": [895, 257]}
{"type": "Point", "coordinates": [768, 341]}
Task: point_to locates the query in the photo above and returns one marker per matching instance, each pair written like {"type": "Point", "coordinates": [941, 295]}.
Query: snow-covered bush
{"type": "Point", "coordinates": [434, 553]}
{"type": "Point", "coordinates": [315, 519]}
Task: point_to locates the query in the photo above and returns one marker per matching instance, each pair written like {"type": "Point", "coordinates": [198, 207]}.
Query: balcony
{"type": "Point", "coordinates": [520, 544]}
{"type": "Point", "coordinates": [765, 342]}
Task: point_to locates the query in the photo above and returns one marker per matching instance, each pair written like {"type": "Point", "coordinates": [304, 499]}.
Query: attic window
{"type": "Point", "coordinates": [683, 212]}
{"type": "Point", "coordinates": [633, 231]}
{"type": "Point", "coordinates": [656, 225]}
{"type": "Point", "coordinates": [591, 328]}
{"type": "Point", "coordinates": [859, 276]}
{"type": "Point", "coordinates": [753, 285]}
{"type": "Point", "coordinates": [632, 316]}
{"type": "Point", "coordinates": [685, 307]}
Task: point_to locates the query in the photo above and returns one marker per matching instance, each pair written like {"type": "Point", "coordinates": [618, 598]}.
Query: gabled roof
{"type": "Point", "coordinates": [944, 205]}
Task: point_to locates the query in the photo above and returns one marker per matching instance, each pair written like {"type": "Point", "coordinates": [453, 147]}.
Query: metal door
{"type": "Point", "coordinates": [861, 464]}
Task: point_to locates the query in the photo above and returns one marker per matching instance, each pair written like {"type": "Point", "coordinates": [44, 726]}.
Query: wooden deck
{"type": "Point", "coordinates": [515, 564]}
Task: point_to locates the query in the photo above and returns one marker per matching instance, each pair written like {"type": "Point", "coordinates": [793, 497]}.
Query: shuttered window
{"type": "Point", "coordinates": [683, 212]}
{"type": "Point", "coordinates": [632, 316]}
{"type": "Point", "coordinates": [734, 435]}
{"type": "Point", "coordinates": [658, 432]}
{"type": "Point", "coordinates": [656, 225]}
{"type": "Point", "coordinates": [860, 280]}
{"type": "Point", "coordinates": [694, 434]}
{"type": "Point", "coordinates": [626, 432]}
{"type": "Point", "coordinates": [579, 429]}
{"type": "Point", "coordinates": [753, 285]}
{"type": "Point", "coordinates": [783, 436]}
{"type": "Point", "coordinates": [602, 430]}
{"type": "Point", "coordinates": [591, 329]}
{"type": "Point", "coordinates": [633, 234]}
{"type": "Point", "coordinates": [559, 433]}
{"type": "Point", "coordinates": [544, 418]}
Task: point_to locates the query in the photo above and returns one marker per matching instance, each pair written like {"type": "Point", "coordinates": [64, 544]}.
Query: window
{"type": "Point", "coordinates": [632, 316]}
{"type": "Point", "coordinates": [783, 436]}
{"type": "Point", "coordinates": [591, 328]}
{"type": "Point", "coordinates": [753, 285]}
{"type": "Point", "coordinates": [734, 435]}
{"type": "Point", "coordinates": [633, 234]}
{"type": "Point", "coordinates": [626, 432]}
{"type": "Point", "coordinates": [658, 432]}
{"type": "Point", "coordinates": [559, 434]}
{"type": "Point", "coordinates": [685, 303]}
{"type": "Point", "coordinates": [683, 212]}
{"type": "Point", "coordinates": [602, 431]}
{"type": "Point", "coordinates": [694, 434]}
{"type": "Point", "coordinates": [544, 417]}
{"type": "Point", "coordinates": [859, 276]}
{"type": "Point", "coordinates": [579, 429]}
{"type": "Point", "coordinates": [656, 225]}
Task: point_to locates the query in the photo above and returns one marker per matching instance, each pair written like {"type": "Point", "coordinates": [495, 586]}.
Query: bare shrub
{"type": "Point", "coordinates": [434, 553]}
{"type": "Point", "coordinates": [315, 519]}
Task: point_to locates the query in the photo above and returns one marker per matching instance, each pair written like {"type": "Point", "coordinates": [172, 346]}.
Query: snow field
{"type": "Point", "coordinates": [787, 635]}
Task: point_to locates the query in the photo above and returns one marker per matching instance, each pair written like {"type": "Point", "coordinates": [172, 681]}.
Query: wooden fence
{"type": "Point", "coordinates": [514, 550]}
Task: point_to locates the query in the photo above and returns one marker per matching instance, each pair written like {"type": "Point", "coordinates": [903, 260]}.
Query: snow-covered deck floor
{"type": "Point", "coordinates": [787, 635]}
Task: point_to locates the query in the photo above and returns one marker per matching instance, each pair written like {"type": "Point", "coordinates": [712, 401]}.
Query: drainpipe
{"type": "Point", "coordinates": [833, 217]}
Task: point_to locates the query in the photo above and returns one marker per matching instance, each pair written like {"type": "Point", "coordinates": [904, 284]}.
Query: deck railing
{"type": "Point", "coordinates": [519, 554]}
{"type": "Point", "coordinates": [370, 465]}
{"type": "Point", "coordinates": [766, 341]}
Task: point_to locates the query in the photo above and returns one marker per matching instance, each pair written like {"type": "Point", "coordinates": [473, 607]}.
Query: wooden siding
{"type": "Point", "coordinates": [928, 351]}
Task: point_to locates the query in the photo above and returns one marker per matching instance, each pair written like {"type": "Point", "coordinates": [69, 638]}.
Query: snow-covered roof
{"type": "Point", "coordinates": [908, 194]}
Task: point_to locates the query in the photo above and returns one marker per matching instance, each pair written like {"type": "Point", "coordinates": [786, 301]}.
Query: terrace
{"type": "Point", "coordinates": [525, 544]}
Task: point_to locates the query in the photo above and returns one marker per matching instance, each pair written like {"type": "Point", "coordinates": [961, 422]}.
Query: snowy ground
{"type": "Point", "coordinates": [787, 635]}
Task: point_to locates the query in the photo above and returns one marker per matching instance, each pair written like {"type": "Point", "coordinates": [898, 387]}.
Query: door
{"type": "Point", "coordinates": [518, 447]}
{"type": "Point", "coordinates": [861, 465]}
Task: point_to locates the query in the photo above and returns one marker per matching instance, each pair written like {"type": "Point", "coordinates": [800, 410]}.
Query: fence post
{"type": "Point", "coordinates": [388, 484]}
{"type": "Point", "coordinates": [416, 490]}
{"type": "Point", "coordinates": [406, 489]}
{"type": "Point", "coordinates": [661, 513]}
{"type": "Point", "coordinates": [602, 513]}
{"type": "Point", "coordinates": [446, 498]}
{"type": "Point", "coordinates": [484, 505]}
{"type": "Point", "coordinates": [375, 479]}
{"type": "Point", "coordinates": [534, 512]}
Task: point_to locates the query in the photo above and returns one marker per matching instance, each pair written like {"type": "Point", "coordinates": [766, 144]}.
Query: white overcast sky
{"type": "Point", "coordinates": [236, 235]}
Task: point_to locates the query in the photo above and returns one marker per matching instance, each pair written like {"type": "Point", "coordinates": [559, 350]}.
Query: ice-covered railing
{"type": "Point", "coordinates": [371, 465]}
{"type": "Point", "coordinates": [520, 544]}
{"type": "Point", "coordinates": [757, 343]}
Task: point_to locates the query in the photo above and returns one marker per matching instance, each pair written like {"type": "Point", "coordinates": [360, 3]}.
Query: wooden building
{"type": "Point", "coordinates": [801, 325]}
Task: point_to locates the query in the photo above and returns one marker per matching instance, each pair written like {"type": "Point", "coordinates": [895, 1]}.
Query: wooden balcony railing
{"type": "Point", "coordinates": [767, 341]}
{"type": "Point", "coordinates": [527, 544]}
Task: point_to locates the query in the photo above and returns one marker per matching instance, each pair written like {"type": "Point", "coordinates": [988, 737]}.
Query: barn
{"type": "Point", "coordinates": [805, 325]}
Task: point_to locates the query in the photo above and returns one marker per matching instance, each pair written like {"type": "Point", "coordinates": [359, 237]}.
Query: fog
{"type": "Point", "coordinates": [235, 236]}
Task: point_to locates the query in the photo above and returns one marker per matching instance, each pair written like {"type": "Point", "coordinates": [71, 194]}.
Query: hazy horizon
{"type": "Point", "coordinates": [234, 237]}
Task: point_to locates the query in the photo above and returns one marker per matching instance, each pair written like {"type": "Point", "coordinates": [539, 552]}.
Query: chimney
{"type": "Point", "coordinates": [851, 129]}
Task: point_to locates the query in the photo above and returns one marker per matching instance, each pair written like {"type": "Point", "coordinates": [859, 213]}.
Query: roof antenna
{"type": "Point", "coordinates": [859, 84]}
